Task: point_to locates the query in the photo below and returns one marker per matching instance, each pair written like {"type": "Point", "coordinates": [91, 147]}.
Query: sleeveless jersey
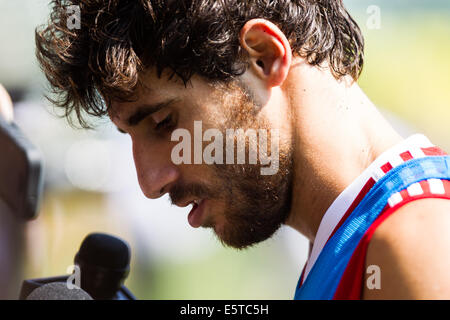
{"type": "Point", "coordinates": [351, 280]}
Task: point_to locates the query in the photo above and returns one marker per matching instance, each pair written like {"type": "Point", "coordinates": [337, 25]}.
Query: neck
{"type": "Point", "coordinates": [338, 132]}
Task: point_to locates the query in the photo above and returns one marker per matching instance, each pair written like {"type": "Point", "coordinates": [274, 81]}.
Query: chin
{"type": "Point", "coordinates": [220, 232]}
{"type": "Point", "coordinates": [228, 240]}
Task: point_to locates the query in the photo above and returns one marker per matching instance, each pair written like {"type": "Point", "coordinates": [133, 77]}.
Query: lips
{"type": "Point", "coordinates": [185, 204]}
{"type": "Point", "coordinates": [195, 217]}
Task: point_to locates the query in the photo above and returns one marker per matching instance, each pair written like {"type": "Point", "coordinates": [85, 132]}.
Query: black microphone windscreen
{"type": "Point", "coordinates": [58, 291]}
{"type": "Point", "coordinates": [106, 251]}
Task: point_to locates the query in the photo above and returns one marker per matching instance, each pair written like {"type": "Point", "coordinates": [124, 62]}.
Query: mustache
{"type": "Point", "coordinates": [180, 192]}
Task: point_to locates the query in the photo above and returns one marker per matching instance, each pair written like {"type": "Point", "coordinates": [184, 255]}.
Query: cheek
{"type": "Point", "coordinates": [217, 214]}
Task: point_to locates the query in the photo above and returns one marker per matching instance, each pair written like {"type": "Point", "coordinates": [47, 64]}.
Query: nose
{"type": "Point", "coordinates": [155, 170]}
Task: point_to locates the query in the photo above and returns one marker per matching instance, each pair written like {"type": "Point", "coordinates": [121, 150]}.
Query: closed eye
{"type": "Point", "coordinates": [166, 124]}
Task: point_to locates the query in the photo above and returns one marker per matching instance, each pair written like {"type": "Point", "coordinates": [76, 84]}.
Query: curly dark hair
{"type": "Point", "coordinates": [119, 39]}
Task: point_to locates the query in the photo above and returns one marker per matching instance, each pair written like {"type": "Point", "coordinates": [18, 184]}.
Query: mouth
{"type": "Point", "coordinates": [195, 217]}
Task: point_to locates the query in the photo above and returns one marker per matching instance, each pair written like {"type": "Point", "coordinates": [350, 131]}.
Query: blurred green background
{"type": "Point", "coordinates": [90, 183]}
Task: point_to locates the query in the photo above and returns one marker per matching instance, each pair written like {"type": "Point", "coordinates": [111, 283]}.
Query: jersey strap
{"type": "Point", "coordinates": [326, 273]}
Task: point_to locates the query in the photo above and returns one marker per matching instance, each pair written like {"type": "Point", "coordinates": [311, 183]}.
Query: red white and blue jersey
{"type": "Point", "coordinates": [351, 281]}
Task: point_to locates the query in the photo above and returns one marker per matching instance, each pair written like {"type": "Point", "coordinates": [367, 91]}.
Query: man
{"type": "Point", "coordinates": [287, 69]}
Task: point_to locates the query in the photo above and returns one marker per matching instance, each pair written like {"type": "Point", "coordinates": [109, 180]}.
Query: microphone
{"type": "Point", "coordinates": [58, 291]}
{"type": "Point", "coordinates": [103, 263]}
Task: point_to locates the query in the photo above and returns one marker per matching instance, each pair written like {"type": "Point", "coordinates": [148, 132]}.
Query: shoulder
{"type": "Point", "coordinates": [412, 250]}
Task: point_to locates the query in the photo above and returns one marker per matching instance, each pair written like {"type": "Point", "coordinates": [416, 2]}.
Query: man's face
{"type": "Point", "coordinates": [241, 204]}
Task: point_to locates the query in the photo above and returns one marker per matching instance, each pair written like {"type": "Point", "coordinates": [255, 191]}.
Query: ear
{"type": "Point", "coordinates": [269, 51]}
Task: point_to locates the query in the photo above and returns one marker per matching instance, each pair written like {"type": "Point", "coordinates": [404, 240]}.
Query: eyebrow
{"type": "Point", "coordinates": [144, 111]}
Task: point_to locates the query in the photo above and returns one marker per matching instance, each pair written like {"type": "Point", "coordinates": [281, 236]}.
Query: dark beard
{"type": "Point", "coordinates": [257, 204]}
